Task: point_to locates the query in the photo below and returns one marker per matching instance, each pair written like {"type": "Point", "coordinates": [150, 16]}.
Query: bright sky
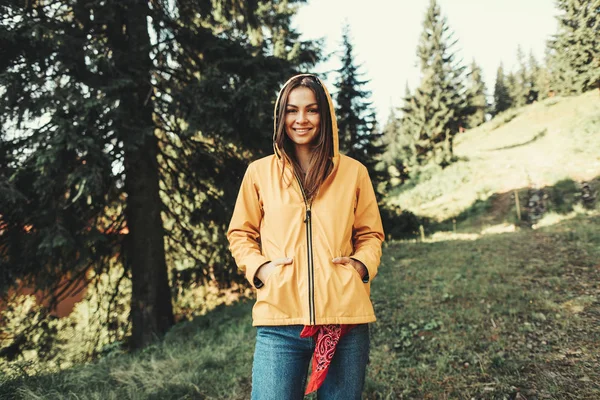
{"type": "Point", "coordinates": [385, 34]}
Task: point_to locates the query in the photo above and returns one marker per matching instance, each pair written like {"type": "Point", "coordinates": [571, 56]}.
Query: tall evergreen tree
{"type": "Point", "coordinates": [391, 133]}
{"type": "Point", "coordinates": [435, 112]}
{"type": "Point", "coordinates": [120, 115]}
{"type": "Point", "coordinates": [502, 99]}
{"type": "Point", "coordinates": [373, 147]}
{"type": "Point", "coordinates": [359, 135]}
{"type": "Point", "coordinates": [352, 101]}
{"type": "Point", "coordinates": [520, 88]}
{"type": "Point", "coordinates": [406, 139]}
{"type": "Point", "coordinates": [514, 90]}
{"type": "Point", "coordinates": [534, 78]}
{"type": "Point", "coordinates": [543, 80]}
{"type": "Point", "coordinates": [476, 98]}
{"type": "Point", "coordinates": [398, 150]}
{"type": "Point", "coordinates": [575, 49]}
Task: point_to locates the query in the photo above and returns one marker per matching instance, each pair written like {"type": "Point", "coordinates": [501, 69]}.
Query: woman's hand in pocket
{"type": "Point", "coordinates": [267, 269]}
{"type": "Point", "coordinates": [357, 265]}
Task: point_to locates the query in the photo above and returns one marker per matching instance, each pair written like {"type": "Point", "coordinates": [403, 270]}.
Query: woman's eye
{"type": "Point", "coordinates": [289, 110]}
{"type": "Point", "coordinates": [313, 111]}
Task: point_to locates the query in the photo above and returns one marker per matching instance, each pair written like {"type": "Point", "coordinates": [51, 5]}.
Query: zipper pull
{"type": "Point", "coordinates": [307, 215]}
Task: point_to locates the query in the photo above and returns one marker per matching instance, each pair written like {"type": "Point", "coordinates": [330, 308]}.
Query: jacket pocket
{"type": "Point", "coordinates": [341, 293]}
{"type": "Point", "coordinates": [278, 298]}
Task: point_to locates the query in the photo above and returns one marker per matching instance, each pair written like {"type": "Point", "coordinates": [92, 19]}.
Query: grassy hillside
{"type": "Point", "coordinates": [510, 316]}
{"type": "Point", "coordinates": [550, 143]}
{"type": "Point", "coordinates": [513, 315]}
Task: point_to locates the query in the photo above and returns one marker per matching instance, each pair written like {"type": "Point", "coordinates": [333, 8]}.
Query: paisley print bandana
{"type": "Point", "coordinates": [326, 338]}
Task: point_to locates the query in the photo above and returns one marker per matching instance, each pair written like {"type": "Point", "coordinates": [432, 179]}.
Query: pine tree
{"type": "Point", "coordinates": [391, 132]}
{"type": "Point", "coordinates": [351, 100]}
{"type": "Point", "coordinates": [400, 155]}
{"type": "Point", "coordinates": [575, 49]}
{"type": "Point", "coordinates": [519, 89]}
{"type": "Point", "coordinates": [406, 140]}
{"type": "Point", "coordinates": [435, 112]}
{"type": "Point", "coordinates": [534, 79]}
{"type": "Point", "coordinates": [543, 79]}
{"type": "Point", "coordinates": [359, 135]}
{"type": "Point", "coordinates": [502, 99]}
{"type": "Point", "coordinates": [476, 98]}
{"type": "Point", "coordinates": [398, 151]}
{"type": "Point", "coordinates": [373, 147]}
{"type": "Point", "coordinates": [109, 130]}
{"type": "Point", "coordinates": [514, 91]}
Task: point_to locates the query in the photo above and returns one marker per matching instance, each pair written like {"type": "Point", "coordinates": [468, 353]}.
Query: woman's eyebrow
{"type": "Point", "coordinates": [308, 105]}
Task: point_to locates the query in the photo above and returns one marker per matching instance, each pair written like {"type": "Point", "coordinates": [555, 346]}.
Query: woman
{"type": "Point", "coordinates": [306, 231]}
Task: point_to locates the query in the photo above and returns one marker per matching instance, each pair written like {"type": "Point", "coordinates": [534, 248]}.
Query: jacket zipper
{"type": "Point", "coordinates": [311, 270]}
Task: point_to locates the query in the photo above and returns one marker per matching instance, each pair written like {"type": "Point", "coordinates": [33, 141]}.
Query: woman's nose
{"type": "Point", "coordinates": [301, 117]}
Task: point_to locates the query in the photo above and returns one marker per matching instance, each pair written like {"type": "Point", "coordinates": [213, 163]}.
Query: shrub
{"type": "Point", "coordinates": [398, 223]}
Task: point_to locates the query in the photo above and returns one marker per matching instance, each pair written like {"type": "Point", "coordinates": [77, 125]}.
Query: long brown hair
{"type": "Point", "coordinates": [321, 163]}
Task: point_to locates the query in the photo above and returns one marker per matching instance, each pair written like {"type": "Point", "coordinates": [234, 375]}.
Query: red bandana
{"type": "Point", "coordinates": [326, 338]}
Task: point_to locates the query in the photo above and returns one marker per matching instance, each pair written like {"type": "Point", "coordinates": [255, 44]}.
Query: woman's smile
{"type": "Point", "coordinates": [302, 131]}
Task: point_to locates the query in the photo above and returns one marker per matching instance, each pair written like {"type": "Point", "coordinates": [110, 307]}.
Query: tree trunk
{"type": "Point", "coordinates": [151, 307]}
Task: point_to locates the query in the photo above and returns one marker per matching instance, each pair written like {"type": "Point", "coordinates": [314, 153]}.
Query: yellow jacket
{"type": "Point", "coordinates": [272, 220]}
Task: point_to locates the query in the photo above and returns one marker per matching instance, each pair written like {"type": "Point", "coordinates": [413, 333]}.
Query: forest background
{"type": "Point", "coordinates": [127, 126]}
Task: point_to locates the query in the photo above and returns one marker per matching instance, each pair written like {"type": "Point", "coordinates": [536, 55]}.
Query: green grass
{"type": "Point", "coordinates": [490, 317]}
{"type": "Point", "coordinates": [485, 319]}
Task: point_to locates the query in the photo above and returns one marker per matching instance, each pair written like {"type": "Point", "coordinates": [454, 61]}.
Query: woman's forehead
{"type": "Point", "coordinates": [301, 95]}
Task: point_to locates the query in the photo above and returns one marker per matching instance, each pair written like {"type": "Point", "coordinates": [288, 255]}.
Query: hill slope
{"type": "Point", "coordinates": [538, 145]}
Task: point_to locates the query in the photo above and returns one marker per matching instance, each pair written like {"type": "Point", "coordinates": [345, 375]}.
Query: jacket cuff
{"type": "Point", "coordinates": [252, 265]}
{"type": "Point", "coordinates": [366, 278]}
{"type": "Point", "coordinates": [371, 266]}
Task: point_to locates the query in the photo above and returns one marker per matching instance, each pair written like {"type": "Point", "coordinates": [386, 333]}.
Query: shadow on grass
{"type": "Point", "coordinates": [501, 208]}
{"type": "Point", "coordinates": [537, 137]}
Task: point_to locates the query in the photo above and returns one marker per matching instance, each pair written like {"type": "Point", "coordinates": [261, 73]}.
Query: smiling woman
{"type": "Point", "coordinates": [307, 233]}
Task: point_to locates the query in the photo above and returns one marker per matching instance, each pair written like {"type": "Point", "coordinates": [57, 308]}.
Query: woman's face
{"type": "Point", "coordinates": [302, 116]}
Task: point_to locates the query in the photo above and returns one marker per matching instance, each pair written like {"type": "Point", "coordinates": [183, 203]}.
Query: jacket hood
{"type": "Point", "coordinates": [334, 127]}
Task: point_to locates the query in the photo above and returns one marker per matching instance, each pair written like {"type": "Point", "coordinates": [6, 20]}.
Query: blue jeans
{"type": "Point", "coordinates": [282, 359]}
